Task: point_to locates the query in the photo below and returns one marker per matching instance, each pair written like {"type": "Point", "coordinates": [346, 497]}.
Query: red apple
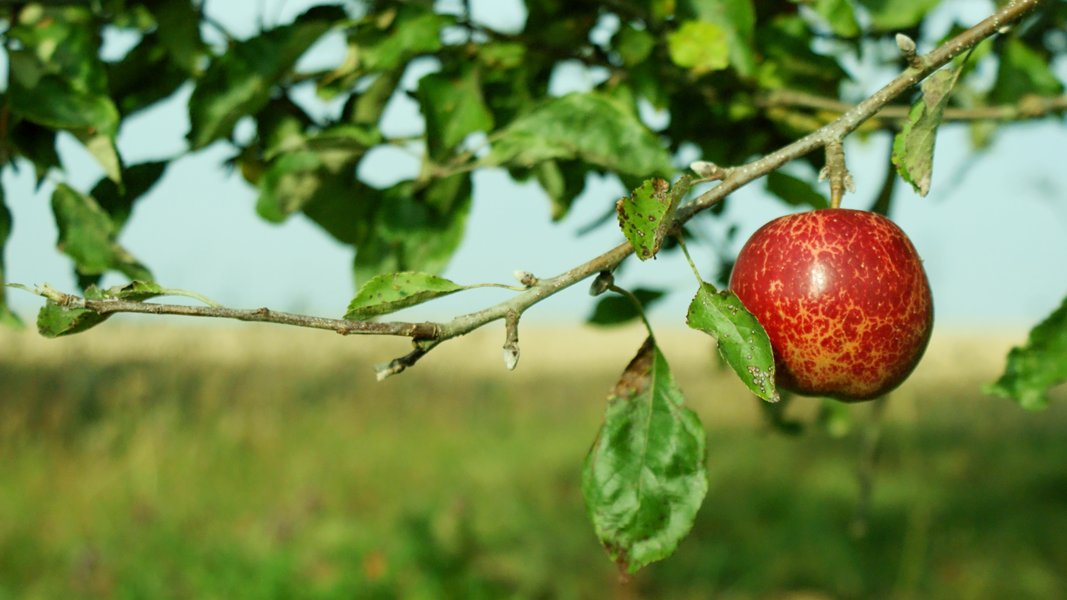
{"type": "Point", "coordinates": [843, 297]}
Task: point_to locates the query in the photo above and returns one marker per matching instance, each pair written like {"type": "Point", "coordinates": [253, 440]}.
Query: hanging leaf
{"type": "Point", "coordinates": [137, 180]}
{"type": "Point", "coordinates": [644, 479]}
{"type": "Point", "coordinates": [38, 145]}
{"type": "Point", "coordinates": [647, 215]}
{"type": "Point", "coordinates": [594, 127]}
{"type": "Point", "coordinates": [742, 340]}
{"type": "Point", "coordinates": [1039, 365]}
{"type": "Point", "coordinates": [736, 19]}
{"type": "Point", "coordinates": [412, 233]}
{"type": "Point", "coordinates": [1023, 71]}
{"type": "Point", "coordinates": [913, 147]}
{"type": "Point", "coordinates": [699, 46]}
{"type": "Point", "coordinates": [794, 191]}
{"type": "Point", "coordinates": [893, 15]}
{"type": "Point", "coordinates": [86, 234]}
{"type": "Point", "coordinates": [633, 45]}
{"type": "Point", "coordinates": [56, 321]}
{"type": "Point", "coordinates": [563, 181]}
{"type": "Point", "coordinates": [454, 108]}
{"type": "Point", "coordinates": [58, 81]}
{"type": "Point", "coordinates": [241, 81]}
{"type": "Point", "coordinates": [395, 291]}
{"type": "Point", "coordinates": [619, 310]}
{"type": "Point", "coordinates": [179, 31]}
{"type": "Point", "coordinates": [146, 75]}
{"type": "Point", "coordinates": [839, 16]}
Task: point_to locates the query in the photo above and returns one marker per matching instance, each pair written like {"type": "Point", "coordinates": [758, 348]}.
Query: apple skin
{"type": "Point", "coordinates": [843, 297]}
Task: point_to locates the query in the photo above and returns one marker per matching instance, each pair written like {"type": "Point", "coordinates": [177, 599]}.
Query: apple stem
{"type": "Point", "coordinates": [835, 169]}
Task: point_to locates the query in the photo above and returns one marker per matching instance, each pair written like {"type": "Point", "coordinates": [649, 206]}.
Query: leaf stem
{"type": "Point", "coordinates": [692, 265]}
{"type": "Point", "coordinates": [193, 295]}
{"type": "Point", "coordinates": [637, 304]}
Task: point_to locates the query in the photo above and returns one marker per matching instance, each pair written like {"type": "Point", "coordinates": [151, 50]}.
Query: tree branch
{"type": "Point", "coordinates": [1030, 107]}
{"type": "Point", "coordinates": [427, 336]}
{"type": "Point", "coordinates": [416, 331]}
{"type": "Point", "coordinates": [855, 116]}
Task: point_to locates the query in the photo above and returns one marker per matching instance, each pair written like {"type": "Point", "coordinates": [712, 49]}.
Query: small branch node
{"type": "Point", "coordinates": [511, 341]}
{"type": "Point", "coordinates": [398, 365]}
{"type": "Point", "coordinates": [525, 278]}
{"type": "Point", "coordinates": [602, 283]}
{"type": "Point", "coordinates": [708, 171]}
{"type": "Point", "coordinates": [907, 49]}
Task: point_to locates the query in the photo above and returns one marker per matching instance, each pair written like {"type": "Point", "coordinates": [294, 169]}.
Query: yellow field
{"type": "Point", "coordinates": [255, 462]}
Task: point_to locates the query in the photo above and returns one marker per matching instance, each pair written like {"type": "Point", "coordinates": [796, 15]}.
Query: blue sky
{"type": "Point", "coordinates": [994, 242]}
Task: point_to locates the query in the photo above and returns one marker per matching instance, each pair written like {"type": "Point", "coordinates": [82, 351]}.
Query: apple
{"type": "Point", "coordinates": [843, 297]}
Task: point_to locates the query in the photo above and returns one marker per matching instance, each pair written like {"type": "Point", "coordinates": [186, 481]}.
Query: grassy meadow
{"type": "Point", "coordinates": [253, 462]}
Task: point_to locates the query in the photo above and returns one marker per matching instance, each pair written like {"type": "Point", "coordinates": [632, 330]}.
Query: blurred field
{"type": "Point", "coordinates": [258, 462]}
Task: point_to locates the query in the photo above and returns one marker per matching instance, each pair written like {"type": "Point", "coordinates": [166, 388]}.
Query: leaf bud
{"type": "Point", "coordinates": [601, 284]}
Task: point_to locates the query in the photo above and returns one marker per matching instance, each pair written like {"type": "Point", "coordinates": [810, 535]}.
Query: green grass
{"type": "Point", "coordinates": [302, 479]}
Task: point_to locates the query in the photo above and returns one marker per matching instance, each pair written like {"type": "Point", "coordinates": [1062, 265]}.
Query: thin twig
{"type": "Point", "coordinates": [855, 116]}
{"type": "Point", "coordinates": [1030, 107]}
{"type": "Point", "coordinates": [416, 331]}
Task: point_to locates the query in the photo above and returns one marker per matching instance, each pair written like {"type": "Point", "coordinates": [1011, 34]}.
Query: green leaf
{"type": "Point", "coordinates": [136, 291]}
{"type": "Point", "coordinates": [618, 310]}
{"type": "Point", "coordinates": [1040, 364]}
{"type": "Point", "coordinates": [137, 180]}
{"type": "Point", "coordinates": [409, 233]}
{"type": "Point", "coordinates": [146, 75]}
{"type": "Point", "coordinates": [366, 108]}
{"type": "Point", "coordinates": [55, 321]}
{"type": "Point", "coordinates": [179, 31]}
{"type": "Point", "coordinates": [839, 15]}
{"type": "Point", "coordinates": [38, 145]}
{"type": "Point", "coordinates": [913, 147]}
{"type": "Point", "coordinates": [241, 81]}
{"type": "Point", "coordinates": [646, 216]}
{"type": "Point", "coordinates": [644, 479]}
{"type": "Point", "coordinates": [794, 191]}
{"type": "Point", "coordinates": [290, 182]}
{"type": "Point", "coordinates": [389, 293]}
{"type": "Point", "coordinates": [58, 81]}
{"type": "Point", "coordinates": [789, 61]}
{"type": "Point", "coordinates": [633, 45]}
{"type": "Point", "coordinates": [414, 31]}
{"type": "Point", "coordinates": [892, 15]}
{"type": "Point", "coordinates": [699, 46]}
{"type": "Point", "coordinates": [1023, 71]}
{"type": "Point", "coordinates": [454, 108]}
{"type": "Point", "coordinates": [102, 147]}
{"type": "Point", "coordinates": [593, 127]}
{"type": "Point", "coordinates": [7, 318]}
{"type": "Point", "coordinates": [385, 43]}
{"type": "Point", "coordinates": [737, 19]}
{"type": "Point", "coordinates": [86, 234]}
{"type": "Point", "coordinates": [742, 340]}
{"type": "Point", "coordinates": [563, 181]}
